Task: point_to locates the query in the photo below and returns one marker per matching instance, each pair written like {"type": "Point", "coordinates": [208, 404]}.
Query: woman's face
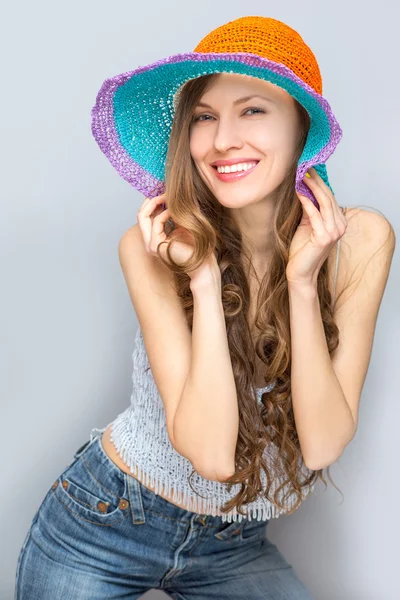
{"type": "Point", "coordinates": [265, 130]}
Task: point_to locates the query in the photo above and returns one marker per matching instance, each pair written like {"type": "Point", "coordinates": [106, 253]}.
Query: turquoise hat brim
{"type": "Point", "coordinates": [133, 114]}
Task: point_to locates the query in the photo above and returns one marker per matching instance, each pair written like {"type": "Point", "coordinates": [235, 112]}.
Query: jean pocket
{"type": "Point", "coordinates": [97, 495]}
{"type": "Point", "coordinates": [227, 531]}
{"type": "Point", "coordinates": [253, 531]}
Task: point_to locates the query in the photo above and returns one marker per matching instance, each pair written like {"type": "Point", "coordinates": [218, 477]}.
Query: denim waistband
{"type": "Point", "coordinates": [135, 491]}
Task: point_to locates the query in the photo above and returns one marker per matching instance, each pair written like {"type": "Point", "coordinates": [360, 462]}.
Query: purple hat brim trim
{"type": "Point", "coordinates": [145, 182]}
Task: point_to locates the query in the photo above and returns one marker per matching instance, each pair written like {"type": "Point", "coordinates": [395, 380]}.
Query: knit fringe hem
{"type": "Point", "coordinates": [260, 509]}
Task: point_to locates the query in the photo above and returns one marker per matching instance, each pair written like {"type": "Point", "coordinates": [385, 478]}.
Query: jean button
{"type": "Point", "coordinates": [123, 504]}
{"type": "Point", "coordinates": [102, 506]}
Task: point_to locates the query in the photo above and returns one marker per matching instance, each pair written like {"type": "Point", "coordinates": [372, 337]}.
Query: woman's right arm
{"type": "Point", "coordinates": [207, 417]}
{"type": "Point", "coordinates": [192, 370]}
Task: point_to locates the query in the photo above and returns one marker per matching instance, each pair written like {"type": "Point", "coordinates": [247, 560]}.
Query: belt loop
{"type": "Point", "coordinates": [88, 443]}
{"type": "Point", "coordinates": [199, 518]}
{"type": "Point", "coordinates": [135, 500]}
{"type": "Point", "coordinates": [84, 447]}
{"type": "Point", "coordinates": [99, 432]}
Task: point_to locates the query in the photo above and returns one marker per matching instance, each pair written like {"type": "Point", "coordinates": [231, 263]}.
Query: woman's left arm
{"type": "Point", "coordinates": [326, 392]}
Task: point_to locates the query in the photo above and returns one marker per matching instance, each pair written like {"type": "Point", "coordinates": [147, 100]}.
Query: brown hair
{"type": "Point", "coordinates": [195, 208]}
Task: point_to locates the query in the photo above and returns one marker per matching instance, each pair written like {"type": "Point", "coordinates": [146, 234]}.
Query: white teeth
{"type": "Point", "coordinates": [236, 167]}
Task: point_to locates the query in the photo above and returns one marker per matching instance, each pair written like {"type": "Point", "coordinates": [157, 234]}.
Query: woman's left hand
{"type": "Point", "coordinates": [317, 233]}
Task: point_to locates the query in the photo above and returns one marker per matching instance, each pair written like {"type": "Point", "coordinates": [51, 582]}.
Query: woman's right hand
{"type": "Point", "coordinates": [151, 219]}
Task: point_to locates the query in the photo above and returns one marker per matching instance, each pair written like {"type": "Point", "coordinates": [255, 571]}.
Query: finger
{"type": "Point", "coordinates": [159, 209]}
{"type": "Point", "coordinates": [315, 217]}
{"type": "Point", "coordinates": [145, 219]}
{"type": "Point", "coordinates": [160, 220]}
{"type": "Point", "coordinates": [151, 208]}
{"type": "Point", "coordinates": [151, 202]}
{"type": "Point", "coordinates": [324, 200]}
{"type": "Point", "coordinates": [338, 215]}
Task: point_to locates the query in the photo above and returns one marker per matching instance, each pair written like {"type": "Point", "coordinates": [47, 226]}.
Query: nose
{"type": "Point", "coordinates": [226, 136]}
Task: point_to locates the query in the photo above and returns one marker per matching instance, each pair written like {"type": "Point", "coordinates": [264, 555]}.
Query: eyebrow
{"type": "Point", "coordinates": [241, 100]}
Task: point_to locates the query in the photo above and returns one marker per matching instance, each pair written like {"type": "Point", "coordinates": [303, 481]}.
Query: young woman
{"type": "Point", "coordinates": [248, 371]}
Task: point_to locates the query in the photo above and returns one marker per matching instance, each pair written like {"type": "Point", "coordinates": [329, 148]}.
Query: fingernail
{"type": "Point", "coordinates": [308, 174]}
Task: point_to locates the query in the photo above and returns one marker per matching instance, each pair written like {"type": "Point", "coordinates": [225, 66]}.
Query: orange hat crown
{"type": "Point", "coordinates": [268, 38]}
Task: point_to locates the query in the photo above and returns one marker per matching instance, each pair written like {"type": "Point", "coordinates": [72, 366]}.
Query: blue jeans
{"type": "Point", "coordinates": [101, 534]}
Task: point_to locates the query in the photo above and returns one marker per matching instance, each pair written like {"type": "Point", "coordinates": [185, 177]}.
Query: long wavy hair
{"type": "Point", "coordinates": [272, 426]}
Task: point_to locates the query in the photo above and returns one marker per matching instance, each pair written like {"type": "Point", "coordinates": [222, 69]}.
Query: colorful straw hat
{"type": "Point", "coordinates": [133, 113]}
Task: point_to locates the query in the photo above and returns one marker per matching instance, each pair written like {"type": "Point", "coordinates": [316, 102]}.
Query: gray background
{"type": "Point", "coordinates": [67, 323]}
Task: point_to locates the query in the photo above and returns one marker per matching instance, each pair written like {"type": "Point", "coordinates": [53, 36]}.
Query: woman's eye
{"type": "Point", "coordinates": [199, 117]}
{"type": "Point", "coordinates": [259, 110]}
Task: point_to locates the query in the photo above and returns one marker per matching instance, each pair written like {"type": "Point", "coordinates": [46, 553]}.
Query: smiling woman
{"type": "Point", "coordinates": [261, 219]}
{"type": "Point", "coordinates": [234, 125]}
{"type": "Point", "coordinates": [245, 384]}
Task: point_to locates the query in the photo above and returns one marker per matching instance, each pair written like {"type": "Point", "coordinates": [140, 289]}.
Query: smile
{"type": "Point", "coordinates": [234, 175]}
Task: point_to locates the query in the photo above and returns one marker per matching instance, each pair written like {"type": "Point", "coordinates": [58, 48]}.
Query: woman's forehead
{"type": "Point", "coordinates": [237, 84]}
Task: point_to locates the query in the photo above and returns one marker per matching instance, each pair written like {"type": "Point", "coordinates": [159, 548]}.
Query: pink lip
{"type": "Point", "coordinates": [233, 161]}
{"type": "Point", "coordinates": [233, 176]}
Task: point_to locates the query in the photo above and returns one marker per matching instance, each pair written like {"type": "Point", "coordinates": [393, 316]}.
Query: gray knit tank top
{"type": "Point", "coordinates": [140, 437]}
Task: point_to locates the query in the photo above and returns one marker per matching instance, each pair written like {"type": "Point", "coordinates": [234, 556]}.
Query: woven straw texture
{"type": "Point", "coordinates": [134, 111]}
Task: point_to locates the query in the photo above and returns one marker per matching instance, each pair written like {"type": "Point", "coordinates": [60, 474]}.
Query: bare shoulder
{"type": "Point", "coordinates": [133, 254]}
{"type": "Point", "coordinates": [366, 222]}
{"type": "Point", "coordinates": [131, 251]}
{"type": "Point", "coordinates": [367, 232]}
{"type": "Point", "coordinates": [132, 236]}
